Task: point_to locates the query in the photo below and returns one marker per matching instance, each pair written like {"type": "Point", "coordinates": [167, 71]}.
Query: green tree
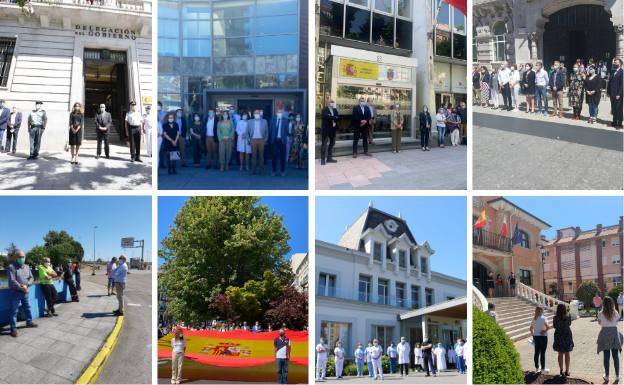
{"type": "Point", "coordinates": [216, 243]}
{"type": "Point", "coordinates": [62, 245]}
{"type": "Point", "coordinates": [35, 256]}
{"type": "Point", "coordinates": [586, 292]}
{"type": "Point", "coordinates": [251, 302]}
{"type": "Point", "coordinates": [614, 292]}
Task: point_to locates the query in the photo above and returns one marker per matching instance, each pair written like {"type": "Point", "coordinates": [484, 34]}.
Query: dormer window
{"type": "Point", "coordinates": [412, 258]}
{"type": "Point", "coordinates": [389, 255]}
{"type": "Point", "coordinates": [377, 247]}
{"type": "Point", "coordinates": [402, 259]}
{"type": "Point", "coordinates": [423, 265]}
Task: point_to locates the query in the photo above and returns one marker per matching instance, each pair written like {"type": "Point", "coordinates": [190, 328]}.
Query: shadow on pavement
{"type": "Point", "coordinates": [98, 315]}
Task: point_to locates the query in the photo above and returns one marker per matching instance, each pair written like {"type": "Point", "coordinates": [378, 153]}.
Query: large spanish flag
{"type": "Point", "coordinates": [481, 222]}
{"type": "Point", "coordinates": [459, 4]}
{"type": "Point", "coordinates": [235, 356]}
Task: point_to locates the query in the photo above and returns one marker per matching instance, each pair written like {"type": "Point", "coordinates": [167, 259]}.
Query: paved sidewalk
{"type": "Point", "coordinates": [61, 347]}
{"type": "Point", "coordinates": [446, 377]}
{"type": "Point", "coordinates": [53, 171]}
{"type": "Point", "coordinates": [438, 169]}
{"type": "Point", "coordinates": [584, 362]}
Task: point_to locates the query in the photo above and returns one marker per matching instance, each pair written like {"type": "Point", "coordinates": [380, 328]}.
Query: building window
{"type": "Point", "coordinates": [415, 297]}
{"type": "Point", "coordinates": [383, 291]}
{"type": "Point", "coordinates": [400, 294]}
{"type": "Point", "coordinates": [616, 259]}
{"type": "Point", "coordinates": [617, 281]}
{"type": "Point", "coordinates": [334, 331]}
{"type": "Point", "coordinates": [423, 265]}
{"type": "Point", "coordinates": [525, 277]}
{"type": "Point", "coordinates": [377, 247]}
{"type": "Point", "coordinates": [364, 288]}
{"type": "Point", "coordinates": [442, 30]}
{"type": "Point", "coordinates": [404, 9]}
{"type": "Point", "coordinates": [525, 240]}
{"type": "Point", "coordinates": [402, 259]}
{"type": "Point", "coordinates": [615, 241]}
{"type": "Point", "coordinates": [331, 18]}
{"type": "Point", "coordinates": [357, 24]}
{"type": "Point", "coordinates": [429, 297]}
{"type": "Point", "coordinates": [327, 285]}
{"type": "Point", "coordinates": [383, 334]}
{"type": "Point", "coordinates": [604, 243]}
{"type": "Point", "coordinates": [7, 47]}
{"type": "Point", "coordinates": [498, 41]}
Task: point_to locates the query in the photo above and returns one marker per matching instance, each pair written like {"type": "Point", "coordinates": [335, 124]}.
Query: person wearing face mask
{"type": "Point", "coordinates": [37, 122]}
{"type": "Point", "coordinates": [514, 84]}
{"type": "Point", "coordinates": [359, 355]}
{"type": "Point", "coordinates": [504, 79]}
{"type": "Point", "coordinates": [258, 135]}
{"type": "Point", "coordinates": [339, 356]}
{"type": "Point", "coordinates": [396, 127]}
{"type": "Point", "coordinates": [495, 87]}
{"type": "Point", "coordinates": [424, 119]}
{"type": "Point", "coordinates": [403, 351]}
{"type": "Point", "coordinates": [282, 347]}
{"type": "Point", "coordinates": [329, 125]}
{"type": "Point", "coordinates": [528, 87]}
{"type": "Point", "coordinates": [133, 125]}
{"type": "Point", "coordinates": [615, 92]}
{"type": "Point", "coordinates": [427, 354]}
{"type": "Point", "coordinates": [476, 86]}
{"type": "Point", "coordinates": [557, 83]}
{"type": "Point", "coordinates": [15, 122]}
{"type": "Point", "coordinates": [485, 87]}
{"type": "Point", "coordinates": [196, 139]}
{"type": "Point", "coordinates": [5, 114]}
{"type": "Point", "coordinates": [103, 124]}
{"type": "Point", "coordinates": [360, 121]}
{"type": "Point", "coordinates": [225, 133]}
{"type": "Point", "coordinates": [453, 122]}
{"type": "Point", "coordinates": [376, 353]}
{"type": "Point", "coordinates": [171, 136]}
{"type": "Point", "coordinates": [147, 129]}
{"type": "Point", "coordinates": [20, 279]}
{"type": "Point", "coordinates": [212, 140]}
{"type": "Point", "coordinates": [541, 88]}
{"type": "Point", "coordinates": [46, 277]}
{"type": "Point", "coordinates": [242, 143]}
{"type": "Point", "coordinates": [463, 116]}
{"type": "Point", "coordinates": [299, 145]}
{"type": "Point", "coordinates": [277, 140]}
{"type": "Point", "coordinates": [441, 126]}
{"type": "Point", "coordinates": [592, 93]}
{"type": "Point", "coordinates": [321, 359]}
{"type": "Point", "coordinates": [76, 132]}
{"type": "Point", "coordinates": [576, 92]}
{"type": "Point", "coordinates": [178, 347]}
{"type": "Point", "coordinates": [120, 274]}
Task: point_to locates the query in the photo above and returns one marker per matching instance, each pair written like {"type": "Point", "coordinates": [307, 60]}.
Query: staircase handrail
{"type": "Point", "coordinates": [478, 299]}
{"type": "Point", "coordinates": [539, 298]}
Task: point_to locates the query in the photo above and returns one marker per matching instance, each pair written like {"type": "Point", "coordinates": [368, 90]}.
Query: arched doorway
{"type": "Point", "coordinates": [579, 32]}
{"type": "Point", "coordinates": [479, 276]}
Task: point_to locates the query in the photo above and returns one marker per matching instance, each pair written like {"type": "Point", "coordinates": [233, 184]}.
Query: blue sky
{"type": "Point", "coordinates": [439, 220]}
{"type": "Point", "coordinates": [560, 212]}
{"type": "Point", "coordinates": [25, 221]}
{"type": "Point", "coordinates": [293, 209]}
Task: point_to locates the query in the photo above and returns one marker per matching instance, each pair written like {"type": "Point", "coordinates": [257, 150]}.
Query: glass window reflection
{"type": "Point", "coordinates": [404, 8]}
{"type": "Point", "coordinates": [357, 24]}
{"type": "Point", "coordinates": [276, 25]}
{"type": "Point", "coordinates": [459, 21]}
{"type": "Point", "coordinates": [196, 29]}
{"type": "Point", "coordinates": [331, 17]}
{"type": "Point", "coordinates": [233, 66]}
{"type": "Point", "coordinates": [232, 47]}
{"type": "Point", "coordinates": [277, 7]}
{"type": "Point", "coordinates": [280, 44]}
{"type": "Point", "coordinates": [383, 30]}
{"type": "Point", "coordinates": [232, 28]}
{"type": "Point", "coordinates": [236, 82]}
{"type": "Point", "coordinates": [403, 34]}
{"type": "Point", "coordinates": [384, 6]}
{"type": "Point", "coordinates": [196, 48]}
{"type": "Point", "coordinates": [168, 47]}
{"type": "Point", "coordinates": [363, 3]}
{"type": "Point", "coordinates": [196, 12]}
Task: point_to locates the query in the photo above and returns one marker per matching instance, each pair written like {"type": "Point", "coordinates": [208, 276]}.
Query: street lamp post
{"type": "Point", "coordinates": [94, 227]}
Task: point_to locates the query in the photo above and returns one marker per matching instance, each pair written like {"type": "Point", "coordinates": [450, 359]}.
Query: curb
{"type": "Point", "coordinates": [92, 372]}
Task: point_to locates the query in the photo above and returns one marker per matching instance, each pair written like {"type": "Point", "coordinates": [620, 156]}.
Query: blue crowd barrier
{"type": "Point", "coordinates": [36, 299]}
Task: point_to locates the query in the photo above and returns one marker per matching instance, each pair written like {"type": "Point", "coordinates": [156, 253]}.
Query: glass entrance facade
{"type": "Point", "coordinates": [227, 45]}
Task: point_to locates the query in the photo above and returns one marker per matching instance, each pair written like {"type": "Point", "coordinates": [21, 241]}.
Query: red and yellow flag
{"type": "Point", "coordinates": [481, 222]}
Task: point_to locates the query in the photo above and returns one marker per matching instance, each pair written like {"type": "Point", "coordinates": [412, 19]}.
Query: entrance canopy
{"type": "Point", "coordinates": [455, 308]}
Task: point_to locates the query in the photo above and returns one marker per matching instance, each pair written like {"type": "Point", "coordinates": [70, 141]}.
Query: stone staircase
{"type": "Point", "coordinates": [515, 314]}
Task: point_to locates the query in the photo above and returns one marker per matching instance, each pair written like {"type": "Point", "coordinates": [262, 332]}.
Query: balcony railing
{"type": "Point", "coordinates": [141, 6]}
{"type": "Point", "coordinates": [490, 240]}
{"type": "Point", "coordinates": [390, 300]}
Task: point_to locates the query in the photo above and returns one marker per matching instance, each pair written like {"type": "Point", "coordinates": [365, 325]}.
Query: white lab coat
{"type": "Point", "coordinates": [451, 356]}
{"type": "Point", "coordinates": [339, 360]}
{"type": "Point", "coordinates": [440, 357]}
{"type": "Point", "coordinates": [403, 349]}
{"type": "Point", "coordinates": [321, 361]}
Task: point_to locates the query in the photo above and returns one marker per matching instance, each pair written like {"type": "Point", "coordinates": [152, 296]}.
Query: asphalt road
{"type": "Point", "coordinates": [131, 359]}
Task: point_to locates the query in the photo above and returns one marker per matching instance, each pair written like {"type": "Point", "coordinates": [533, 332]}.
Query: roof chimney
{"type": "Point", "coordinates": [577, 231]}
{"type": "Point", "coordinates": [598, 228]}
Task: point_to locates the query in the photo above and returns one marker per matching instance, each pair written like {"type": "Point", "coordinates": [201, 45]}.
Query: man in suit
{"type": "Point", "coordinates": [212, 141]}
{"type": "Point", "coordinates": [329, 124]}
{"type": "Point", "coordinates": [360, 121]}
{"type": "Point", "coordinates": [5, 114]}
{"type": "Point", "coordinates": [103, 124]}
{"type": "Point", "coordinates": [278, 136]}
{"type": "Point", "coordinates": [258, 135]}
{"type": "Point", "coordinates": [614, 90]}
{"type": "Point", "coordinates": [13, 126]}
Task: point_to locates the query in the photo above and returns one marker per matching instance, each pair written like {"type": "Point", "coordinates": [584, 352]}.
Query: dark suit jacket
{"type": "Point", "coordinates": [615, 84]}
{"type": "Point", "coordinates": [558, 79]}
{"type": "Point", "coordinates": [5, 114]}
{"type": "Point", "coordinates": [328, 120]}
{"type": "Point", "coordinates": [424, 118]}
{"type": "Point", "coordinates": [103, 120]}
{"type": "Point", "coordinates": [357, 116]}
{"type": "Point", "coordinates": [283, 129]}
{"type": "Point", "coordinates": [215, 122]}
{"type": "Point", "coordinates": [18, 120]}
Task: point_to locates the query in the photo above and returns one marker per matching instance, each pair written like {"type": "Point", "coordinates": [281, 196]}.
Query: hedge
{"type": "Point", "coordinates": [350, 368]}
{"type": "Point", "coordinates": [495, 359]}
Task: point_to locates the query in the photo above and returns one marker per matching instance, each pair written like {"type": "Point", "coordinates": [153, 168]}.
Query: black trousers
{"type": "Point", "coordinates": [102, 136]}
{"type": "Point", "coordinates": [402, 367]}
{"type": "Point", "coordinates": [539, 355]}
{"type": "Point", "coordinates": [11, 137]}
{"type": "Point", "coordinates": [135, 142]}
{"type": "Point", "coordinates": [424, 136]}
{"type": "Point", "coordinates": [278, 152]}
{"type": "Point", "coordinates": [616, 110]}
{"type": "Point", "coordinates": [72, 289]}
{"type": "Point", "coordinates": [507, 96]}
{"type": "Point", "coordinates": [360, 132]}
{"type": "Point", "coordinates": [328, 140]}
{"type": "Point", "coordinates": [49, 294]}
{"type": "Point", "coordinates": [428, 362]}
{"type": "Point", "coordinates": [197, 150]}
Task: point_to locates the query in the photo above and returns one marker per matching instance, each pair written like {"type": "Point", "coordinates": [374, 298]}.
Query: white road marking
{"type": "Point", "coordinates": [134, 304]}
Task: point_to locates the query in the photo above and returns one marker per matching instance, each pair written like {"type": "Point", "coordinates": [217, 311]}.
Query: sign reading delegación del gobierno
{"type": "Point", "coordinates": [105, 32]}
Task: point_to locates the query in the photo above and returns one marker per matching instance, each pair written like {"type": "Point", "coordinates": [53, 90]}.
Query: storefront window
{"type": "Point", "coordinates": [357, 24]}
{"type": "Point", "coordinates": [331, 18]}
{"type": "Point", "coordinates": [195, 66]}
{"type": "Point", "coordinates": [169, 84]}
{"type": "Point", "coordinates": [235, 82]}
{"type": "Point", "coordinates": [383, 30]}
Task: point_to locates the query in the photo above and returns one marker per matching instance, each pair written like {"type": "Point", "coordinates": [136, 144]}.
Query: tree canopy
{"type": "Point", "coordinates": [59, 246]}
{"type": "Point", "coordinates": [216, 244]}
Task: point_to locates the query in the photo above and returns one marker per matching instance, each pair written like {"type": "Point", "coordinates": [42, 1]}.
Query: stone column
{"type": "Point", "coordinates": [533, 39]}
{"type": "Point", "coordinates": [619, 40]}
{"type": "Point", "coordinates": [425, 327]}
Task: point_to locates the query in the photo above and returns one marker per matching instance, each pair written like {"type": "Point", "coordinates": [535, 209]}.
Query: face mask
{"type": "Point", "coordinates": [197, 118]}
{"type": "Point", "coordinates": [225, 117]}
{"type": "Point", "coordinates": [297, 119]}
{"type": "Point", "coordinates": [159, 108]}
{"type": "Point", "coordinates": [425, 109]}
{"type": "Point", "coordinates": [133, 108]}
{"type": "Point", "coordinates": [170, 120]}
{"type": "Point", "coordinates": [375, 344]}
{"type": "Point", "coordinates": [179, 114]}
{"type": "Point", "coordinates": [46, 264]}
{"type": "Point", "coordinates": [397, 106]}
{"type": "Point", "coordinates": [20, 261]}
{"type": "Point", "coordinates": [245, 117]}
{"type": "Point", "coordinates": [616, 65]}
{"type": "Point", "coordinates": [591, 71]}
{"type": "Point", "coordinates": [333, 105]}
{"type": "Point", "coordinates": [362, 104]}
{"type": "Point", "coordinates": [37, 107]}
{"type": "Point", "coordinates": [256, 116]}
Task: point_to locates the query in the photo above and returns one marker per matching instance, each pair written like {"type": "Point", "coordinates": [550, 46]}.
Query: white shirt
{"type": "Point", "coordinates": [257, 134]}
{"type": "Point", "coordinates": [376, 352]}
{"type": "Point", "coordinates": [440, 120]}
{"type": "Point", "coordinates": [359, 354]}
{"type": "Point", "coordinates": [606, 323]}
{"type": "Point", "coordinates": [179, 345]}
{"type": "Point", "coordinates": [391, 352]}
{"type": "Point", "coordinates": [459, 350]}
{"type": "Point", "coordinates": [279, 128]}
{"type": "Point", "coordinates": [134, 118]}
{"type": "Point", "coordinates": [541, 78]}
{"type": "Point", "coordinates": [210, 127]}
{"type": "Point", "coordinates": [13, 115]}
{"type": "Point", "coordinates": [515, 78]}
{"type": "Point", "coordinates": [321, 355]}
{"type": "Point", "coordinates": [504, 76]}
{"type": "Point", "coordinates": [147, 122]}
{"type": "Point", "coordinates": [620, 299]}
{"type": "Point", "coordinates": [339, 353]}
{"type": "Point", "coordinates": [538, 325]}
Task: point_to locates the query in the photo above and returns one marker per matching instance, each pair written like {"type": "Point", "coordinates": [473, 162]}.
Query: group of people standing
{"type": "Point", "coordinates": [584, 85]}
{"type": "Point", "coordinates": [226, 136]}
{"type": "Point", "coordinates": [428, 357]}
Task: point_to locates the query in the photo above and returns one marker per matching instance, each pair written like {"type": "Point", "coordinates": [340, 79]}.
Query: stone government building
{"type": "Point", "coordinates": [521, 31]}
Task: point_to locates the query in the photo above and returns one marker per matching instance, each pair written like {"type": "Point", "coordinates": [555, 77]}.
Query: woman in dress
{"type": "Point", "coordinates": [609, 339]}
{"type": "Point", "coordinates": [592, 92]}
{"type": "Point", "coordinates": [485, 87]}
{"type": "Point", "coordinates": [171, 136]}
{"type": "Point", "coordinates": [539, 330]}
{"type": "Point", "coordinates": [196, 139]}
{"type": "Point", "coordinates": [178, 346]}
{"type": "Point", "coordinates": [76, 131]}
{"type": "Point", "coordinates": [528, 87]}
{"type": "Point", "coordinates": [563, 343]}
{"type": "Point", "coordinates": [418, 357]}
{"type": "Point", "coordinates": [299, 147]}
{"type": "Point", "coordinates": [576, 91]}
{"type": "Point", "coordinates": [243, 145]}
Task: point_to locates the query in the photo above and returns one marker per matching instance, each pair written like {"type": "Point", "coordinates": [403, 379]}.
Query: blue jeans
{"type": "Point", "coordinates": [369, 365]}
{"type": "Point", "coordinates": [593, 109]}
{"type": "Point", "coordinates": [461, 365]}
{"type": "Point", "coordinates": [17, 298]}
{"type": "Point", "coordinates": [360, 367]}
{"type": "Point", "coordinates": [441, 132]}
{"type": "Point", "coordinates": [616, 362]}
{"type": "Point", "coordinates": [393, 364]}
{"type": "Point", "coordinates": [282, 370]}
{"type": "Point", "coordinates": [541, 97]}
